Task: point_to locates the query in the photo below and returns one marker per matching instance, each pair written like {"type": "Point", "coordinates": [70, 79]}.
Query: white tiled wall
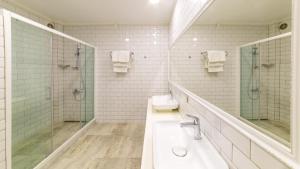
{"type": "Point", "coordinates": [239, 151]}
{"type": "Point", "coordinates": [187, 62]}
{"type": "Point", "coordinates": [123, 97]}
{"type": "Point", "coordinates": [71, 81]}
{"type": "Point", "coordinates": [58, 77]}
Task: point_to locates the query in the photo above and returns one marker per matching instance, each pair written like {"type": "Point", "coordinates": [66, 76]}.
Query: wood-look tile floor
{"type": "Point", "coordinates": [274, 127]}
{"type": "Point", "coordinates": [105, 146]}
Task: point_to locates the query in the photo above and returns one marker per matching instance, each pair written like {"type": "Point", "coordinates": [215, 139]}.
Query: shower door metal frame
{"type": "Point", "coordinates": [7, 17]}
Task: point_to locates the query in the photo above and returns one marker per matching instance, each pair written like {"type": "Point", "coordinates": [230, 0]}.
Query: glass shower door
{"type": "Point", "coordinates": [82, 84]}
{"type": "Point", "coordinates": [250, 83]}
{"type": "Point", "coordinates": [31, 95]}
{"type": "Point", "coordinates": [89, 80]}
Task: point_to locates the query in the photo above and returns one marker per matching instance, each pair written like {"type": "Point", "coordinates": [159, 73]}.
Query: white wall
{"type": "Point", "coordinates": [123, 97]}
{"type": "Point", "coordinates": [187, 62]}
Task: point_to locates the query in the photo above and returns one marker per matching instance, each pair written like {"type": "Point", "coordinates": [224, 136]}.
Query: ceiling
{"type": "Point", "coordinates": [246, 12]}
{"type": "Point", "coordinates": [72, 12]}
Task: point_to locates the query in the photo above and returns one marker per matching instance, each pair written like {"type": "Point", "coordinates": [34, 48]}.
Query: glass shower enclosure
{"type": "Point", "coordinates": [52, 90]}
{"type": "Point", "coordinates": [265, 78]}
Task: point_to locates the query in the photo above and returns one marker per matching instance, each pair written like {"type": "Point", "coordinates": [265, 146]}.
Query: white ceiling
{"type": "Point", "coordinates": [246, 12]}
{"type": "Point", "coordinates": [103, 11]}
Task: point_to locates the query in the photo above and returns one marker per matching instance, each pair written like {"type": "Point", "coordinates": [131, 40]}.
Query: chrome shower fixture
{"type": "Point", "coordinates": [77, 54]}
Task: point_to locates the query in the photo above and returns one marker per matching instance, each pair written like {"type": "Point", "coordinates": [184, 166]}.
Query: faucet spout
{"type": "Point", "coordinates": [195, 124]}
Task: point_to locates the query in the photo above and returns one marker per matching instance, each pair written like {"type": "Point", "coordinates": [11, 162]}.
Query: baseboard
{"type": "Point", "coordinates": [61, 149]}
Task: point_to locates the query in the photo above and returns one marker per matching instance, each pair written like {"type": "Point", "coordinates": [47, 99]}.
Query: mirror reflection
{"type": "Point", "coordinates": [240, 61]}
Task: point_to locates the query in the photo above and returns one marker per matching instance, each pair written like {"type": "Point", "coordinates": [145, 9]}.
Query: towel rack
{"type": "Point", "coordinates": [226, 53]}
{"type": "Point", "coordinates": [131, 54]}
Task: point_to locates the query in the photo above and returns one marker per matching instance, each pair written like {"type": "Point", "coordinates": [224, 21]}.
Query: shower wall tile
{"type": "Point", "coordinates": [71, 81]}
{"type": "Point", "coordinates": [275, 81]}
{"type": "Point", "coordinates": [58, 77]}
{"type": "Point", "coordinates": [123, 97]}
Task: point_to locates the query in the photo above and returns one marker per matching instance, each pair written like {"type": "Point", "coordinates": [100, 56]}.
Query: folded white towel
{"type": "Point", "coordinates": [120, 69]}
{"type": "Point", "coordinates": [114, 56]}
{"type": "Point", "coordinates": [121, 56]}
{"type": "Point", "coordinates": [216, 56]}
{"type": "Point", "coordinates": [213, 64]}
{"type": "Point", "coordinates": [120, 64]}
{"type": "Point", "coordinates": [215, 69]}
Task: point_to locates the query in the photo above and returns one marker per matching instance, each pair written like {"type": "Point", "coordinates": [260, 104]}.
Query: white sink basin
{"type": "Point", "coordinates": [164, 102]}
{"type": "Point", "coordinates": [200, 153]}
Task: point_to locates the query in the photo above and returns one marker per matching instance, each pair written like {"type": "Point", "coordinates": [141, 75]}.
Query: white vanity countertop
{"type": "Point", "coordinates": [152, 117]}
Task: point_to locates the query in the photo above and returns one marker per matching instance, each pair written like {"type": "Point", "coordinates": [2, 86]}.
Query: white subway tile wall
{"type": "Point", "coordinates": [237, 149]}
{"type": "Point", "coordinates": [58, 75]}
{"type": "Point", "coordinates": [123, 97]}
{"type": "Point", "coordinates": [187, 62]}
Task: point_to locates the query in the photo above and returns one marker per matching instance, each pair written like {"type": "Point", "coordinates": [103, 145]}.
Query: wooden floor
{"type": "Point", "coordinates": [105, 146]}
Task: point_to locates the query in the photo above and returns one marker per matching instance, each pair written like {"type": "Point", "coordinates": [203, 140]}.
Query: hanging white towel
{"type": "Point", "coordinates": [118, 64]}
{"type": "Point", "coordinates": [120, 69]}
{"type": "Point", "coordinates": [216, 56]}
{"type": "Point", "coordinates": [213, 64]}
{"type": "Point", "coordinates": [121, 56]}
{"type": "Point", "coordinates": [115, 56]}
{"type": "Point", "coordinates": [121, 60]}
{"type": "Point", "coordinates": [215, 69]}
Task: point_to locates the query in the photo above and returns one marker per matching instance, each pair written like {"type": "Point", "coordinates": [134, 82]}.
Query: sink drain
{"type": "Point", "coordinates": [179, 151]}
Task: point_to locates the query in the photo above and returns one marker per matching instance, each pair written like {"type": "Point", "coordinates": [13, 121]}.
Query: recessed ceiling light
{"type": "Point", "coordinates": [127, 39]}
{"type": "Point", "coordinates": [154, 43]}
{"type": "Point", "coordinates": [195, 39]}
{"type": "Point", "coordinates": [154, 1]}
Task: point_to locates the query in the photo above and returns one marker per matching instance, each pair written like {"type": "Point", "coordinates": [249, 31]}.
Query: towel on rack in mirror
{"type": "Point", "coordinates": [214, 60]}
{"type": "Point", "coordinates": [121, 60]}
{"type": "Point", "coordinates": [216, 56]}
{"type": "Point", "coordinates": [120, 69]}
{"type": "Point", "coordinates": [121, 56]}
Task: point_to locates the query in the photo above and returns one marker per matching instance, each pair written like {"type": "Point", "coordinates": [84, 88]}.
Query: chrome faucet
{"type": "Point", "coordinates": [195, 124]}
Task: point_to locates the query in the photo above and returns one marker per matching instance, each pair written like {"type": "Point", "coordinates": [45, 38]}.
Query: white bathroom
{"type": "Point", "coordinates": [150, 84]}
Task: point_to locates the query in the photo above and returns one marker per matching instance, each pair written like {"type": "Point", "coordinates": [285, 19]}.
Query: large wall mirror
{"type": "Point", "coordinates": [237, 56]}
